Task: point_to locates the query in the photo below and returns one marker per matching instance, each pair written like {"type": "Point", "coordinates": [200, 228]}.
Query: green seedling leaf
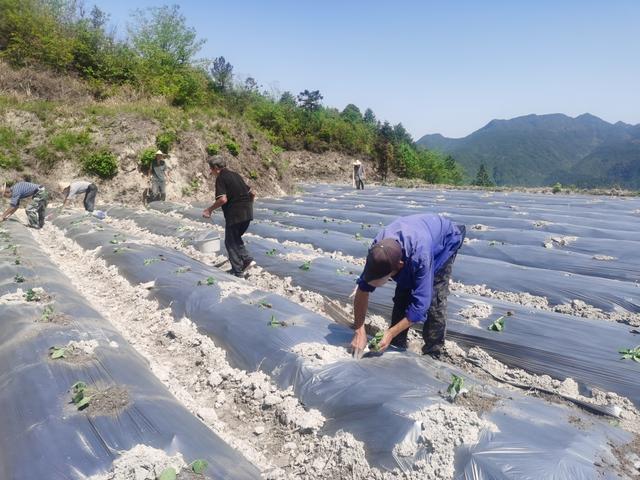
{"type": "Point", "coordinates": [208, 281]}
{"type": "Point", "coordinates": [78, 387]}
{"type": "Point", "coordinates": [263, 304]}
{"type": "Point", "coordinates": [455, 387]}
{"type": "Point", "coordinates": [31, 295]}
{"type": "Point", "coordinates": [275, 323]}
{"type": "Point", "coordinates": [271, 252]}
{"type": "Point", "coordinates": [114, 241]}
{"type": "Point", "coordinates": [374, 343]}
{"type": "Point", "coordinates": [199, 466]}
{"type": "Point", "coordinates": [17, 261]}
{"type": "Point", "coordinates": [18, 279]}
{"type": "Point", "coordinates": [630, 354]}
{"type": "Point", "coordinates": [151, 261]}
{"type": "Point", "coordinates": [47, 313]}
{"type": "Point", "coordinates": [57, 352]}
{"type": "Point", "coordinates": [325, 231]}
{"type": "Point", "coordinates": [358, 236]}
{"type": "Point", "coordinates": [305, 266]}
{"type": "Point", "coordinates": [84, 403]}
{"type": "Point", "coordinates": [168, 474]}
{"type": "Point", "coordinates": [120, 250]}
{"type": "Point", "coordinates": [498, 325]}
{"type": "Point", "coordinates": [183, 270]}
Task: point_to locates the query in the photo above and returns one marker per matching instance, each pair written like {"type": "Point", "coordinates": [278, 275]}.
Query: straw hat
{"type": "Point", "coordinates": [160, 152]}
{"type": "Point", "coordinates": [357, 162]}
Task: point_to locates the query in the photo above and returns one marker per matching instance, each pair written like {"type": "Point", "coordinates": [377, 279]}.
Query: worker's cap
{"type": "Point", "coordinates": [383, 258]}
{"type": "Point", "coordinates": [357, 162]}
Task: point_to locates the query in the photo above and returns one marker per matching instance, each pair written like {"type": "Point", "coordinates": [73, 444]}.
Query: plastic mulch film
{"type": "Point", "coordinates": [376, 399]}
{"type": "Point", "coordinates": [43, 435]}
{"type": "Point", "coordinates": [557, 286]}
{"type": "Point", "coordinates": [534, 340]}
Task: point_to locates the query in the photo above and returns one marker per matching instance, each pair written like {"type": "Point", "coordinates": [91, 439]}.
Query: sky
{"type": "Point", "coordinates": [443, 66]}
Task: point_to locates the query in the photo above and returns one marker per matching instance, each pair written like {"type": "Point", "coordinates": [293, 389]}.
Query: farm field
{"type": "Point", "coordinates": [181, 362]}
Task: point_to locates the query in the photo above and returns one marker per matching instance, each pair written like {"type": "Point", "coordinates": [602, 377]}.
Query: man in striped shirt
{"type": "Point", "coordinates": [35, 210]}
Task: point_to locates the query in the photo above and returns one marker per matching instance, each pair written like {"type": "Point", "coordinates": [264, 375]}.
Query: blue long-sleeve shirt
{"type": "Point", "coordinates": [427, 242]}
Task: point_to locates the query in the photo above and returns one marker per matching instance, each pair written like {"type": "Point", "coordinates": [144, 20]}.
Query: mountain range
{"type": "Point", "coordinates": [538, 150]}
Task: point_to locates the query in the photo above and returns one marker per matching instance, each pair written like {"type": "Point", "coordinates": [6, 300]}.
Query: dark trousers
{"type": "Point", "coordinates": [236, 251]}
{"type": "Point", "coordinates": [90, 198]}
{"type": "Point", "coordinates": [158, 190]}
{"type": "Point", "coordinates": [435, 326]}
{"type": "Point", "coordinates": [359, 184]}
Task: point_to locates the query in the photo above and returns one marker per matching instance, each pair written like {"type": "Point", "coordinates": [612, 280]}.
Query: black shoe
{"type": "Point", "coordinates": [249, 262]}
{"type": "Point", "coordinates": [433, 352]}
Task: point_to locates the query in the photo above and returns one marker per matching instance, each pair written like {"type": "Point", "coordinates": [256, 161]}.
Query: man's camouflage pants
{"type": "Point", "coordinates": [36, 208]}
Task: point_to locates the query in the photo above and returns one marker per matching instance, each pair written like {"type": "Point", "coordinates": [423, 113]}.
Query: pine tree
{"type": "Point", "coordinates": [482, 177]}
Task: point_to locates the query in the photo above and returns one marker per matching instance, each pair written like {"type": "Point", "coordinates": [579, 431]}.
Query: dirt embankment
{"type": "Point", "coordinates": [329, 167]}
{"type": "Point", "coordinates": [50, 122]}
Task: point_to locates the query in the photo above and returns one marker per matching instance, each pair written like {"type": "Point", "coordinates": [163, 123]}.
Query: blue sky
{"type": "Point", "coordinates": [438, 67]}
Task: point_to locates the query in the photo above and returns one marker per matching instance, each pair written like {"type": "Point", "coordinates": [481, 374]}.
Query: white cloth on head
{"type": "Point", "coordinates": [78, 187]}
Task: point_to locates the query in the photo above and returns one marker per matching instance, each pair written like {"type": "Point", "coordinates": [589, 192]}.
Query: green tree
{"type": "Point", "coordinates": [351, 113]}
{"type": "Point", "coordinates": [482, 177]}
{"type": "Point", "coordinates": [309, 100]}
{"type": "Point", "coordinates": [222, 73]}
{"type": "Point", "coordinates": [162, 38]}
{"type": "Point", "coordinates": [369, 117]}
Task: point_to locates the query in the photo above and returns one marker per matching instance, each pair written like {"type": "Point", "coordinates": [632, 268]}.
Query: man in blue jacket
{"type": "Point", "coordinates": [417, 252]}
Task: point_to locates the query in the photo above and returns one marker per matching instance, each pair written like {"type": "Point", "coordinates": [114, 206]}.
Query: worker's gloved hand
{"type": "Point", "coordinates": [206, 213]}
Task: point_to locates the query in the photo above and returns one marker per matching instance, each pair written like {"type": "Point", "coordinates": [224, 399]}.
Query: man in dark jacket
{"type": "Point", "coordinates": [417, 252]}
{"type": "Point", "coordinates": [236, 199]}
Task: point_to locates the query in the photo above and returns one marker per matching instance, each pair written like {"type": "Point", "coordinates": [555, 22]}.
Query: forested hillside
{"type": "Point", "coordinates": [66, 66]}
{"type": "Point", "coordinates": [537, 150]}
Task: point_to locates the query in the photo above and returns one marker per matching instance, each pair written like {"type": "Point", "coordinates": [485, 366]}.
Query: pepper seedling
{"type": "Point", "coordinates": [208, 281]}
{"type": "Point", "coordinates": [497, 325]}
{"type": "Point", "coordinates": [80, 398]}
{"type": "Point", "coordinates": [150, 261]}
{"type": "Point", "coordinates": [47, 313]}
{"type": "Point", "coordinates": [374, 343]}
{"type": "Point", "coordinates": [182, 270]}
{"type": "Point", "coordinates": [31, 295]}
{"type": "Point", "coordinates": [16, 261]}
{"type": "Point", "coordinates": [168, 474]}
{"type": "Point", "coordinates": [199, 466]}
{"type": "Point", "coordinates": [455, 387]}
{"type": "Point", "coordinates": [57, 352]}
{"type": "Point", "coordinates": [271, 252]}
{"type": "Point", "coordinates": [18, 279]}
{"type": "Point", "coordinates": [275, 323]}
{"type": "Point", "coordinates": [305, 266]}
{"type": "Point", "coordinates": [630, 354]}
{"type": "Point", "coordinates": [358, 236]}
{"type": "Point", "coordinates": [263, 304]}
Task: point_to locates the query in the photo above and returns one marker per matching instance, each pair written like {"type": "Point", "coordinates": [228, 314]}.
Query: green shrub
{"type": "Point", "coordinates": [102, 163]}
{"type": "Point", "coordinates": [10, 161]}
{"type": "Point", "coordinates": [46, 157]}
{"type": "Point", "coordinates": [557, 188]}
{"type": "Point", "coordinates": [233, 147]}
{"type": "Point", "coordinates": [147, 156]}
{"type": "Point", "coordinates": [220, 129]}
{"type": "Point", "coordinates": [253, 175]}
{"type": "Point", "coordinates": [277, 150]}
{"type": "Point", "coordinates": [65, 142]}
{"type": "Point", "coordinates": [213, 149]}
{"type": "Point", "coordinates": [165, 140]}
